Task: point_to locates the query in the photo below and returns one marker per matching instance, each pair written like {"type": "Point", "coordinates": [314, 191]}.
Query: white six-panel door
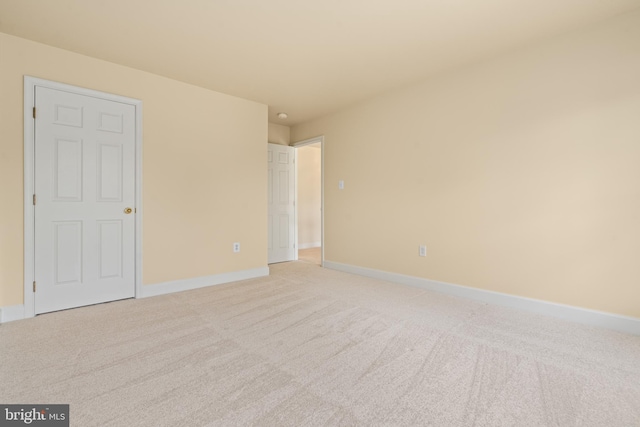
{"type": "Point", "coordinates": [84, 186]}
{"type": "Point", "coordinates": [281, 201]}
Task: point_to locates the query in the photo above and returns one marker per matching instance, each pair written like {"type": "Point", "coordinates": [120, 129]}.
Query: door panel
{"type": "Point", "coordinates": [283, 240]}
{"type": "Point", "coordinates": [67, 251]}
{"type": "Point", "coordinates": [110, 249]}
{"type": "Point", "coordinates": [109, 173]}
{"type": "Point", "coordinates": [67, 170]}
{"type": "Point", "coordinates": [281, 201]}
{"type": "Point", "coordinates": [84, 180]}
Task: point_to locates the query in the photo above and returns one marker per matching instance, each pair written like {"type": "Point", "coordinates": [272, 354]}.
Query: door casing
{"type": "Point", "coordinates": [30, 84]}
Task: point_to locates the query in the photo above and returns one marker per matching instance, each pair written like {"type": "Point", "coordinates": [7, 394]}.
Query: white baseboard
{"type": "Point", "coordinates": [201, 282]}
{"type": "Point", "coordinates": [16, 312]}
{"type": "Point", "coordinates": [11, 313]}
{"type": "Point", "coordinates": [309, 245]}
{"type": "Point", "coordinates": [630, 325]}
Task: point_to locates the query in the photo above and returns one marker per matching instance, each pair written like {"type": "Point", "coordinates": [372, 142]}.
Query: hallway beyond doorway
{"type": "Point", "coordinates": [311, 255]}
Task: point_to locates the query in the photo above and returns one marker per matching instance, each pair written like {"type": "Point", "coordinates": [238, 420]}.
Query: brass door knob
{"type": "Point", "coordinates": [128, 210]}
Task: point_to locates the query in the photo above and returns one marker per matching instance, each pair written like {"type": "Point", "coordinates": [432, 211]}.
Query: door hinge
{"type": "Point", "coordinates": [34, 112]}
{"type": "Point", "coordinates": [34, 200]}
{"type": "Point", "coordinates": [34, 286]}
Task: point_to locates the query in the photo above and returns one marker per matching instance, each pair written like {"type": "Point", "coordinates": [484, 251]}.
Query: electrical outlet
{"type": "Point", "coordinates": [236, 247]}
{"type": "Point", "coordinates": [423, 250]}
{"type": "Point", "coordinates": [341, 185]}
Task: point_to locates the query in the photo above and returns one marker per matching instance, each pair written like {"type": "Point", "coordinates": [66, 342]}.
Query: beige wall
{"type": "Point", "coordinates": [309, 195]}
{"type": "Point", "coordinates": [203, 164]}
{"type": "Point", "coordinates": [279, 134]}
{"type": "Point", "coordinates": [520, 174]}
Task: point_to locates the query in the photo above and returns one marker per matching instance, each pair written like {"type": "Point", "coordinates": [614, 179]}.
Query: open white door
{"type": "Point", "coordinates": [84, 200]}
{"type": "Point", "coordinates": [281, 200]}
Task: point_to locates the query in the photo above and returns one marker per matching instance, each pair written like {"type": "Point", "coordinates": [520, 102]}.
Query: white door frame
{"type": "Point", "coordinates": [30, 84]}
{"type": "Point", "coordinates": [315, 140]}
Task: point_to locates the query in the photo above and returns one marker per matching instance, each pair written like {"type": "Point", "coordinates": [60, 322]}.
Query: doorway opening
{"type": "Point", "coordinates": [309, 200]}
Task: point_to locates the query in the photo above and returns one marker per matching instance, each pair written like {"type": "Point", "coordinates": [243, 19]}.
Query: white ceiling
{"type": "Point", "coordinates": [306, 57]}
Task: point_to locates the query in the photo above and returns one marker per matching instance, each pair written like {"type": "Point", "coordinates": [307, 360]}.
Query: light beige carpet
{"type": "Point", "coordinates": [309, 346]}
